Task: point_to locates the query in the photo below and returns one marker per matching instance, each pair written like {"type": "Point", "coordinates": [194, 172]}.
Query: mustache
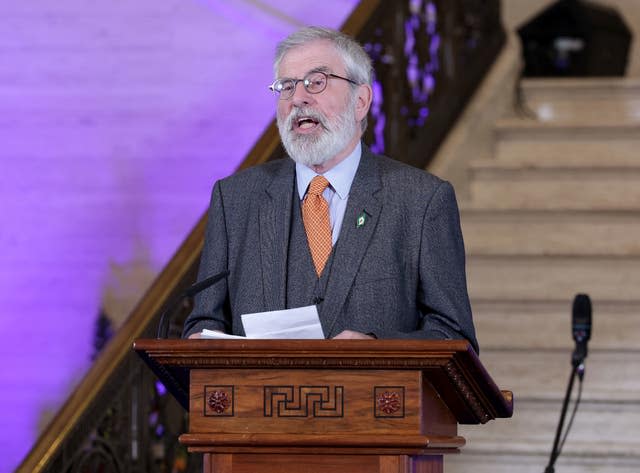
{"type": "Point", "coordinates": [306, 112]}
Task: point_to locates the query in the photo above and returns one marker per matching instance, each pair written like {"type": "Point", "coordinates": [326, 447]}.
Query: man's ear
{"type": "Point", "coordinates": [363, 103]}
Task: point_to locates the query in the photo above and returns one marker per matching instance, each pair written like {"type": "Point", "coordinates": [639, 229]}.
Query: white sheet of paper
{"type": "Point", "coordinates": [302, 323]}
{"type": "Point", "coordinates": [216, 334]}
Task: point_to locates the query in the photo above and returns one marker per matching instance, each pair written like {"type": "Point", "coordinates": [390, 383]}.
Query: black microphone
{"type": "Point", "coordinates": [581, 327]}
{"type": "Point", "coordinates": [581, 330]}
{"type": "Point", "coordinates": [163, 326]}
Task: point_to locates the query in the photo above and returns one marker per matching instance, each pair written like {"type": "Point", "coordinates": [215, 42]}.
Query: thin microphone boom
{"type": "Point", "coordinates": [205, 283]}
{"type": "Point", "coordinates": [163, 326]}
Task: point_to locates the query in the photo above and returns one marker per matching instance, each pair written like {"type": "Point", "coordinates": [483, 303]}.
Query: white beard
{"type": "Point", "coordinates": [317, 149]}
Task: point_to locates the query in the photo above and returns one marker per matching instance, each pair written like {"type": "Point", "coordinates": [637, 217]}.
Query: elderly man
{"type": "Point", "coordinates": [373, 243]}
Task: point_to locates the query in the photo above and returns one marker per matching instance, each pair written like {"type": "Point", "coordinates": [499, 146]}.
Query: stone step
{"type": "Point", "coordinates": [609, 406]}
{"type": "Point", "coordinates": [529, 141]}
{"type": "Point", "coordinates": [547, 324]}
{"type": "Point", "coordinates": [599, 431]}
{"type": "Point", "coordinates": [570, 88]}
{"type": "Point", "coordinates": [608, 100]}
{"type": "Point", "coordinates": [535, 463]}
{"type": "Point", "coordinates": [611, 376]}
{"type": "Point", "coordinates": [555, 214]}
{"type": "Point", "coordinates": [548, 232]}
{"type": "Point", "coordinates": [503, 185]}
{"type": "Point", "coordinates": [540, 278]}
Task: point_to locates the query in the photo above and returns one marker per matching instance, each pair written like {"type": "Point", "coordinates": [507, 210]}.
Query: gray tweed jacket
{"type": "Point", "coordinates": [399, 275]}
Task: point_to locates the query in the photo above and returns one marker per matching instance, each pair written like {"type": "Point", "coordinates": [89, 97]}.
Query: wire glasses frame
{"type": "Point", "coordinates": [314, 83]}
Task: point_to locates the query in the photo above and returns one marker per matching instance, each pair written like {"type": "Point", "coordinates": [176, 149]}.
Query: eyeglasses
{"type": "Point", "coordinates": [314, 83]}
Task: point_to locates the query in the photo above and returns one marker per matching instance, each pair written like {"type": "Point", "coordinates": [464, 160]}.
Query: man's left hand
{"type": "Point", "coordinates": [352, 335]}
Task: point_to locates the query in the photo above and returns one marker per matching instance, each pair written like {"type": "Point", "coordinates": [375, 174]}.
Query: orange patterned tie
{"type": "Point", "coordinates": [315, 215]}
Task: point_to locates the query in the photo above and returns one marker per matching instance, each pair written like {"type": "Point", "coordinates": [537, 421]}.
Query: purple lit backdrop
{"type": "Point", "coordinates": [115, 119]}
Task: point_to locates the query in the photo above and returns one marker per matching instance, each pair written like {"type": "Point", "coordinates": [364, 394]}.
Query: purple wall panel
{"type": "Point", "coordinates": [115, 120]}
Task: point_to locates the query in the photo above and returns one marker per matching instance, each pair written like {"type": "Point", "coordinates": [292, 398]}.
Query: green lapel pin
{"type": "Point", "coordinates": [362, 219]}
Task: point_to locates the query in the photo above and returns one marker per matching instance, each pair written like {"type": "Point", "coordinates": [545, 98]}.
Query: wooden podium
{"type": "Point", "coordinates": [316, 406]}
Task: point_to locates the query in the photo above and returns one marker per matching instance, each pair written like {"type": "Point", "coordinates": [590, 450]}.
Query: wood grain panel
{"type": "Point", "coordinates": [357, 413]}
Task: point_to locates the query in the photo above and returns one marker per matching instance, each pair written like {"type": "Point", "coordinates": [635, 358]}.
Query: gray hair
{"type": "Point", "coordinates": [356, 61]}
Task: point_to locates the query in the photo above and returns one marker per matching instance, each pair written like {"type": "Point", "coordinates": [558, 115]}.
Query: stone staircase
{"type": "Point", "coordinates": [553, 212]}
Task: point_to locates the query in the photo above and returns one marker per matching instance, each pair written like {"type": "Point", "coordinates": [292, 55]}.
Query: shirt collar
{"type": "Point", "coordinates": [340, 176]}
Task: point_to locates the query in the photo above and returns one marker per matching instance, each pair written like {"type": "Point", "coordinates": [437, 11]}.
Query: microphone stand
{"type": "Point", "coordinates": [577, 370]}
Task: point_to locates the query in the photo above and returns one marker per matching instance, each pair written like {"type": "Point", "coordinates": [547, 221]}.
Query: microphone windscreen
{"type": "Point", "coordinates": [581, 318]}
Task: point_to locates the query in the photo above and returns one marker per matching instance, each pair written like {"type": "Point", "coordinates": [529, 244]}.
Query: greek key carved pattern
{"type": "Point", "coordinates": [303, 401]}
{"type": "Point", "coordinates": [466, 392]}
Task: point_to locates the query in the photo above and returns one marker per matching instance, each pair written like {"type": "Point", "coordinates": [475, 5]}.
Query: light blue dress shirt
{"type": "Point", "coordinates": [340, 178]}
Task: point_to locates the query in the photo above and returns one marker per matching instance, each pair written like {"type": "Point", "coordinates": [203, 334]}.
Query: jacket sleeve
{"type": "Point", "coordinates": [442, 298]}
{"type": "Point", "coordinates": [211, 307]}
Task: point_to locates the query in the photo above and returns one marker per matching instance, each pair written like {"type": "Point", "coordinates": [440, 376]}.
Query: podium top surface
{"type": "Point", "coordinates": [451, 366]}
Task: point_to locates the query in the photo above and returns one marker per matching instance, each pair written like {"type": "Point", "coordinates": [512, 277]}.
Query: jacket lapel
{"type": "Point", "coordinates": [275, 222]}
{"type": "Point", "coordinates": [354, 237]}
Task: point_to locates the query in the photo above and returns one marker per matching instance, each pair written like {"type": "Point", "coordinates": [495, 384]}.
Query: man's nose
{"type": "Point", "coordinates": [301, 96]}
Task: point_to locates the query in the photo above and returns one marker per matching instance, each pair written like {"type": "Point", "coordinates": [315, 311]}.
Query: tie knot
{"type": "Point", "coordinates": [318, 185]}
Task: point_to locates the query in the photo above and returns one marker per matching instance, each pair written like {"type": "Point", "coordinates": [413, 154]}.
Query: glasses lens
{"type": "Point", "coordinates": [284, 87]}
{"type": "Point", "coordinates": [315, 82]}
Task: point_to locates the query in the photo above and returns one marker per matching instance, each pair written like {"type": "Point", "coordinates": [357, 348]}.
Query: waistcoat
{"type": "Point", "coordinates": [304, 287]}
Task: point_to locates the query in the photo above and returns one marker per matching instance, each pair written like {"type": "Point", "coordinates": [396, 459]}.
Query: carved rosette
{"type": "Point", "coordinates": [218, 401]}
{"type": "Point", "coordinates": [389, 401]}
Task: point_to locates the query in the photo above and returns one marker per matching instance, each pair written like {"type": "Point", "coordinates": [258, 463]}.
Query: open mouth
{"type": "Point", "coordinates": [305, 123]}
